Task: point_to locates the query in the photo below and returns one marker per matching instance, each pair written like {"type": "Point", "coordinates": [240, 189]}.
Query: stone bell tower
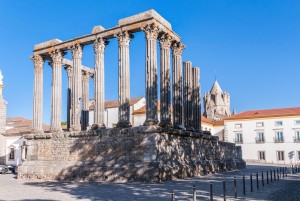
{"type": "Point", "coordinates": [3, 105]}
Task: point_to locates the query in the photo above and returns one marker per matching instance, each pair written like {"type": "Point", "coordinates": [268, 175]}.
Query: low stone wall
{"type": "Point", "coordinates": [131, 154]}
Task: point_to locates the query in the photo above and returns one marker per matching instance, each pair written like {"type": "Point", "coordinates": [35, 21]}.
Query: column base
{"type": "Point", "coordinates": [75, 128]}
{"type": "Point", "coordinates": [55, 130]}
{"type": "Point", "coordinates": [151, 122]}
{"type": "Point", "coordinates": [98, 126]}
{"type": "Point", "coordinates": [37, 131]}
{"type": "Point", "coordinates": [123, 124]}
{"type": "Point", "coordinates": [165, 123]}
{"type": "Point", "coordinates": [190, 128]}
{"type": "Point", "coordinates": [179, 127]}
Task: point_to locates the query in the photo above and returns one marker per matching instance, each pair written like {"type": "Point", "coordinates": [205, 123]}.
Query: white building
{"type": "Point", "coordinates": [268, 136]}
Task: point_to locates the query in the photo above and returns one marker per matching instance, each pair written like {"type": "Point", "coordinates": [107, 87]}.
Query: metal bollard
{"type": "Point", "coordinates": [194, 193]}
{"type": "Point", "coordinates": [211, 191]}
{"type": "Point", "coordinates": [277, 175]}
{"type": "Point", "coordinates": [224, 190]}
{"type": "Point", "coordinates": [257, 185]}
{"type": "Point", "coordinates": [262, 179]}
{"type": "Point", "coordinates": [173, 195]}
{"type": "Point", "coordinates": [274, 175]}
{"type": "Point", "coordinates": [251, 183]}
{"type": "Point", "coordinates": [292, 172]}
{"type": "Point", "coordinates": [234, 184]}
{"type": "Point", "coordinates": [244, 185]}
{"type": "Point", "coordinates": [267, 177]}
{"type": "Point", "coordinates": [271, 176]}
{"type": "Point", "coordinates": [286, 172]}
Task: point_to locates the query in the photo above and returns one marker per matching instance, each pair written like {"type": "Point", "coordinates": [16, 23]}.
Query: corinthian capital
{"type": "Point", "coordinates": [76, 50]}
{"type": "Point", "coordinates": [38, 60]}
{"type": "Point", "coordinates": [124, 38]}
{"type": "Point", "coordinates": [56, 56]}
{"type": "Point", "coordinates": [99, 45]}
{"type": "Point", "coordinates": [69, 70]}
{"type": "Point", "coordinates": [177, 48]}
{"type": "Point", "coordinates": [86, 76]}
{"type": "Point", "coordinates": [151, 31]}
{"type": "Point", "coordinates": [165, 40]}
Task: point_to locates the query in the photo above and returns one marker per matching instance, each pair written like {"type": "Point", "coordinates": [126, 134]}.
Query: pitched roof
{"type": "Point", "coordinates": [19, 126]}
{"type": "Point", "coordinates": [216, 87]}
{"type": "Point", "coordinates": [266, 113]}
{"type": "Point", "coordinates": [142, 110]}
{"type": "Point", "coordinates": [115, 103]}
{"type": "Point", "coordinates": [213, 122]}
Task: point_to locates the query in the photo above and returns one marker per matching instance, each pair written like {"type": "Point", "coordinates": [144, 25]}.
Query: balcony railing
{"type": "Point", "coordinates": [296, 139]}
{"type": "Point", "coordinates": [260, 140]}
{"type": "Point", "coordinates": [278, 140]}
{"type": "Point", "coordinates": [238, 141]}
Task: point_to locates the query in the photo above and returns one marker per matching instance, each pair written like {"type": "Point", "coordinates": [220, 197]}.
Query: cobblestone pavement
{"type": "Point", "coordinates": [285, 189]}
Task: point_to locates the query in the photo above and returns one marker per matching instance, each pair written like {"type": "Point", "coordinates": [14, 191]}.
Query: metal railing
{"type": "Point", "coordinates": [278, 140]}
{"type": "Point", "coordinates": [260, 140]}
{"type": "Point", "coordinates": [238, 141]}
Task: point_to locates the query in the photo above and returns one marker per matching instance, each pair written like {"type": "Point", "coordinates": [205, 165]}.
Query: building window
{"type": "Point", "coordinates": [298, 155]}
{"type": "Point", "coordinates": [278, 123]}
{"type": "Point", "coordinates": [238, 138]}
{"type": "Point", "coordinates": [259, 124]}
{"type": "Point", "coordinates": [261, 155]}
{"type": "Point", "coordinates": [297, 122]}
{"type": "Point", "coordinates": [238, 125]}
{"type": "Point", "coordinates": [280, 155]}
{"type": "Point", "coordinates": [260, 137]}
{"type": "Point", "coordinates": [279, 137]}
{"type": "Point", "coordinates": [11, 154]}
{"type": "Point", "coordinates": [297, 136]}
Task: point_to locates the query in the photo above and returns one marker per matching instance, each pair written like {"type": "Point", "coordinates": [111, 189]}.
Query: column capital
{"type": "Point", "coordinates": [85, 76]}
{"type": "Point", "coordinates": [76, 50]}
{"type": "Point", "coordinates": [37, 59]}
{"type": "Point", "coordinates": [99, 45]}
{"type": "Point", "coordinates": [177, 48]}
{"type": "Point", "coordinates": [124, 38]}
{"type": "Point", "coordinates": [165, 40]}
{"type": "Point", "coordinates": [69, 70]}
{"type": "Point", "coordinates": [57, 56]}
{"type": "Point", "coordinates": [151, 31]}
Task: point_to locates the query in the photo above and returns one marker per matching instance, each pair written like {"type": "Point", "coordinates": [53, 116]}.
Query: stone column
{"type": "Point", "coordinates": [165, 42]}
{"type": "Point", "coordinates": [85, 101]}
{"type": "Point", "coordinates": [56, 62]}
{"type": "Point", "coordinates": [188, 90]}
{"type": "Point", "coordinates": [177, 49]}
{"type": "Point", "coordinates": [99, 46]}
{"type": "Point", "coordinates": [69, 70]}
{"type": "Point", "coordinates": [37, 122]}
{"type": "Point", "coordinates": [196, 99]}
{"type": "Point", "coordinates": [76, 90]}
{"type": "Point", "coordinates": [124, 80]}
{"type": "Point", "coordinates": [151, 33]}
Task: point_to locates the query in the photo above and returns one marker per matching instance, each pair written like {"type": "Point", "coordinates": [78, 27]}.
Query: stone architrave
{"type": "Point", "coordinates": [124, 79]}
{"type": "Point", "coordinates": [188, 91]}
{"type": "Point", "coordinates": [151, 34]}
{"type": "Point", "coordinates": [165, 42]}
{"type": "Point", "coordinates": [177, 49]}
{"type": "Point", "coordinates": [85, 101]}
{"type": "Point", "coordinates": [56, 62]}
{"type": "Point", "coordinates": [196, 98]}
{"type": "Point", "coordinates": [76, 90]}
{"type": "Point", "coordinates": [69, 70]}
{"type": "Point", "coordinates": [99, 46]}
{"type": "Point", "coordinates": [37, 122]}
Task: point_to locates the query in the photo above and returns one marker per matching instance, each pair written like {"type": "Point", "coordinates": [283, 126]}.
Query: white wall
{"type": "Point", "coordinates": [16, 143]}
{"type": "Point", "coordinates": [250, 131]}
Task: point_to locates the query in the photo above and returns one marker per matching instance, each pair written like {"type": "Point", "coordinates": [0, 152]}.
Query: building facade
{"type": "Point", "coordinates": [268, 136]}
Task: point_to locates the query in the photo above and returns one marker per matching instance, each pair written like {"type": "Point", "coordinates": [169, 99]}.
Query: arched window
{"type": "Point", "coordinates": [11, 153]}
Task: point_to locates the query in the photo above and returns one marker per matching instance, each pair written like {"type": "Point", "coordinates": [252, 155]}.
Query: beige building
{"type": "Point", "coordinates": [216, 103]}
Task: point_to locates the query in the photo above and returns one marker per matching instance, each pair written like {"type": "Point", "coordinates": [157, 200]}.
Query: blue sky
{"type": "Point", "coordinates": [252, 46]}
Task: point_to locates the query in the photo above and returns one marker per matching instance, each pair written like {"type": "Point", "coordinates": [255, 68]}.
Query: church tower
{"type": "Point", "coordinates": [3, 105]}
{"type": "Point", "coordinates": [216, 103]}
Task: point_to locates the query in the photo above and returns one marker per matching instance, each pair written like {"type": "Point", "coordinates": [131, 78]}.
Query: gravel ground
{"type": "Point", "coordinates": [285, 189]}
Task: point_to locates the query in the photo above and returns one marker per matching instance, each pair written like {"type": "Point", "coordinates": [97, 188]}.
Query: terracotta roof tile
{"type": "Point", "coordinates": [215, 123]}
{"type": "Point", "coordinates": [115, 103]}
{"type": "Point", "coordinates": [266, 113]}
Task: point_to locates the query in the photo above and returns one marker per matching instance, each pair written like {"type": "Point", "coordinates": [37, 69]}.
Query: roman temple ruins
{"type": "Point", "coordinates": [175, 147]}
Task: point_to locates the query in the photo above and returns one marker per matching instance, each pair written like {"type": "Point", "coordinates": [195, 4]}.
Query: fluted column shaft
{"type": "Point", "coordinates": [177, 49]}
{"type": "Point", "coordinates": [37, 126]}
{"type": "Point", "coordinates": [76, 90]}
{"type": "Point", "coordinates": [151, 33]}
{"type": "Point", "coordinates": [196, 99]}
{"type": "Point", "coordinates": [165, 42]}
{"type": "Point", "coordinates": [69, 70]}
{"type": "Point", "coordinates": [124, 80]}
{"type": "Point", "coordinates": [56, 101]}
{"type": "Point", "coordinates": [188, 91]}
{"type": "Point", "coordinates": [85, 101]}
{"type": "Point", "coordinates": [99, 46]}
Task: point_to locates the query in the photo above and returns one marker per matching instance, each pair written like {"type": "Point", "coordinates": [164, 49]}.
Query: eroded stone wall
{"type": "Point", "coordinates": [139, 153]}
